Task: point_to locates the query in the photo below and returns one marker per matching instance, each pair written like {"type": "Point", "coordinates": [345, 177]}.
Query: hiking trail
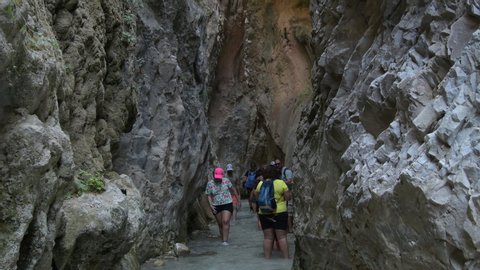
{"type": "Point", "coordinates": [244, 252]}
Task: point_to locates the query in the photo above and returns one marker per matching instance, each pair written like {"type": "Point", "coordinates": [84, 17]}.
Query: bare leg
{"type": "Point", "coordinates": [281, 237]}
{"type": "Point", "coordinates": [268, 242]}
{"type": "Point", "coordinates": [218, 217]}
{"type": "Point", "coordinates": [234, 215]}
{"type": "Point", "coordinates": [226, 215]}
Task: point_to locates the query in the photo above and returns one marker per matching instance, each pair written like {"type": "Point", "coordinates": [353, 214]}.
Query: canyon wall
{"type": "Point", "coordinates": [387, 155]}
{"type": "Point", "coordinates": [262, 81]}
{"type": "Point", "coordinates": [148, 96]}
{"type": "Point", "coordinates": [102, 90]}
{"type": "Point", "coordinates": [167, 152]}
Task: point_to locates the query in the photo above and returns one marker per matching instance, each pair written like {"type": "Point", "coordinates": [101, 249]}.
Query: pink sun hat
{"type": "Point", "coordinates": [218, 173]}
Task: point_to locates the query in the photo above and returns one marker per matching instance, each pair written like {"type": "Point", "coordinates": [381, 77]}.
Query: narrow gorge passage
{"type": "Point", "coordinates": [262, 81]}
{"type": "Point", "coordinates": [114, 113]}
{"type": "Point", "coordinates": [244, 252]}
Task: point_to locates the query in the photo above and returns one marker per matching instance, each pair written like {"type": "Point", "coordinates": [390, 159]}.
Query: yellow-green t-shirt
{"type": "Point", "coordinates": [280, 188]}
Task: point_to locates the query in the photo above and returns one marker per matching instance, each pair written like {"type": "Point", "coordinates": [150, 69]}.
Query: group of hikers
{"type": "Point", "coordinates": [268, 190]}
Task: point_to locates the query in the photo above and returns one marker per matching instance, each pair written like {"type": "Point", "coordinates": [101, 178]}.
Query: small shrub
{"type": "Point", "coordinates": [68, 196]}
{"type": "Point", "coordinates": [129, 19]}
{"type": "Point", "coordinates": [91, 182]}
{"type": "Point", "coordinates": [11, 7]}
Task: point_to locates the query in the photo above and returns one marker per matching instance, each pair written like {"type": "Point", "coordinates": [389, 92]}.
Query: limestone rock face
{"type": "Point", "coordinates": [262, 80]}
{"type": "Point", "coordinates": [36, 157]}
{"type": "Point", "coordinates": [36, 162]}
{"type": "Point", "coordinates": [106, 224]}
{"type": "Point", "coordinates": [85, 85]}
{"type": "Point", "coordinates": [387, 150]}
{"type": "Point", "coordinates": [167, 150]}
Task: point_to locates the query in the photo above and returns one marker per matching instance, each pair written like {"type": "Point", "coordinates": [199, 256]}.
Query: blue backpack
{"type": "Point", "coordinates": [266, 198]}
{"type": "Point", "coordinates": [251, 176]}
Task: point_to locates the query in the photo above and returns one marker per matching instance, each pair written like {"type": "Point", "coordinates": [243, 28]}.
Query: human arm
{"type": "Point", "coordinates": [208, 192]}
{"type": "Point", "coordinates": [210, 202]}
{"type": "Point", "coordinates": [234, 192]}
{"type": "Point", "coordinates": [256, 191]}
{"type": "Point", "coordinates": [287, 195]}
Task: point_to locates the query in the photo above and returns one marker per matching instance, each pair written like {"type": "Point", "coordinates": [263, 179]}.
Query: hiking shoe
{"type": "Point", "coordinates": [225, 243]}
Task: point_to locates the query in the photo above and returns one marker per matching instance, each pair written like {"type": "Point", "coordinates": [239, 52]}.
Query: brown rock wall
{"type": "Point", "coordinates": [263, 77]}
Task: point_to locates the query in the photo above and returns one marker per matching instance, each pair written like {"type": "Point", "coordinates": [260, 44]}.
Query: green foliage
{"type": "Point", "coordinates": [68, 196]}
{"type": "Point", "coordinates": [38, 41]}
{"type": "Point", "coordinates": [11, 7]}
{"type": "Point", "coordinates": [128, 19]}
{"type": "Point", "coordinates": [90, 182]}
{"type": "Point", "coordinates": [129, 39]}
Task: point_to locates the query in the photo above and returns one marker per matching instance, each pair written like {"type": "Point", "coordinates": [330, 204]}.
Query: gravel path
{"type": "Point", "coordinates": [244, 252]}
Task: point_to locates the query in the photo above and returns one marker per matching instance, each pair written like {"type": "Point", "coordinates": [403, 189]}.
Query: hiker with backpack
{"type": "Point", "coordinates": [272, 195]}
{"type": "Point", "coordinates": [251, 197]}
{"type": "Point", "coordinates": [287, 176]}
{"type": "Point", "coordinates": [235, 198]}
{"type": "Point", "coordinates": [219, 191]}
{"type": "Point", "coordinates": [249, 181]}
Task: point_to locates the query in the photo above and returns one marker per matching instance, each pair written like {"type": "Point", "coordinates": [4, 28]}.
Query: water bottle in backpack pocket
{"type": "Point", "coordinates": [266, 198]}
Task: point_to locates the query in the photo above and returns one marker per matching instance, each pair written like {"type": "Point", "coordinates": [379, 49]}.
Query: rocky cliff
{"type": "Point", "coordinates": [112, 114]}
{"type": "Point", "coordinates": [262, 81]}
{"type": "Point", "coordinates": [387, 151]}
{"type": "Point", "coordinates": [90, 90]}
{"type": "Point", "coordinates": [167, 150]}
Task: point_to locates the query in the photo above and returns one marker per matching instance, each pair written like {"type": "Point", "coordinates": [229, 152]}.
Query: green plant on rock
{"type": "Point", "coordinates": [37, 40]}
{"type": "Point", "coordinates": [129, 38]}
{"type": "Point", "coordinates": [68, 196]}
{"type": "Point", "coordinates": [11, 7]}
{"type": "Point", "coordinates": [90, 182]}
{"type": "Point", "coordinates": [128, 19]}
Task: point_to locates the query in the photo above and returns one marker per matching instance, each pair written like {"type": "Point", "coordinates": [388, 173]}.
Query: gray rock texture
{"type": "Point", "coordinates": [167, 150]}
{"type": "Point", "coordinates": [153, 94]}
{"type": "Point", "coordinates": [387, 150]}
{"type": "Point", "coordinates": [36, 165]}
{"type": "Point", "coordinates": [98, 230]}
{"type": "Point", "coordinates": [85, 85]}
